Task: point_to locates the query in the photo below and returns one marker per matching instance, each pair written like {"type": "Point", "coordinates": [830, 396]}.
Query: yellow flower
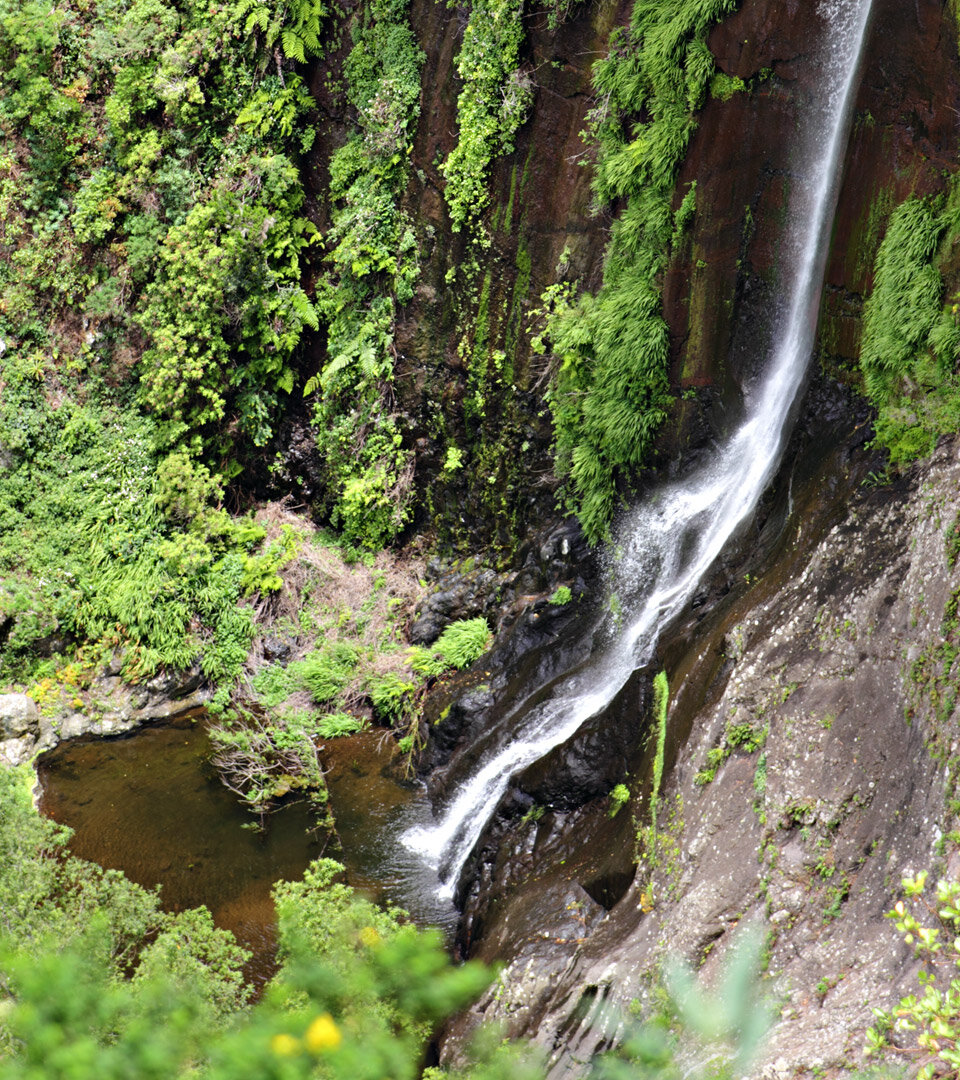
{"type": "Point", "coordinates": [285, 1045]}
{"type": "Point", "coordinates": [323, 1034]}
{"type": "Point", "coordinates": [369, 937]}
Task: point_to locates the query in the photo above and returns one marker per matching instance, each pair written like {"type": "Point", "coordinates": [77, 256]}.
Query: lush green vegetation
{"type": "Point", "coordinates": [610, 394]}
{"type": "Point", "coordinates": [97, 983]}
{"type": "Point", "coordinates": [374, 263]}
{"type": "Point", "coordinates": [494, 101]}
{"type": "Point", "coordinates": [150, 309]}
{"type": "Point", "coordinates": [104, 539]}
{"type": "Point", "coordinates": [910, 339]}
{"type": "Point", "coordinates": [152, 253]}
{"type": "Point", "coordinates": [347, 664]}
{"type": "Point", "coordinates": [48, 900]}
{"type": "Point", "coordinates": [460, 644]}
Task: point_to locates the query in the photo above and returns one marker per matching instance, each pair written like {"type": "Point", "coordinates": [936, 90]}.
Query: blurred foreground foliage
{"type": "Point", "coordinates": [97, 983]}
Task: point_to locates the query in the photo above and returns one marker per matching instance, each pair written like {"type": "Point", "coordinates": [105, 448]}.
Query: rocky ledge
{"type": "Point", "coordinates": [822, 757]}
{"type": "Point", "coordinates": [112, 707]}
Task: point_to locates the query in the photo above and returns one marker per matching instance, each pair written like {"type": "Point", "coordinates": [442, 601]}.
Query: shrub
{"type": "Point", "coordinates": [334, 725]}
{"type": "Point", "coordinates": [619, 797]}
{"type": "Point", "coordinates": [391, 697]}
{"type": "Point", "coordinates": [326, 671]}
{"type": "Point", "coordinates": [935, 1014]}
{"type": "Point", "coordinates": [910, 341]}
{"type": "Point", "coordinates": [460, 644]}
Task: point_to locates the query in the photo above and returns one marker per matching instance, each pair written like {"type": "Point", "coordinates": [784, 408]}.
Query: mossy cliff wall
{"type": "Point", "coordinates": [465, 377]}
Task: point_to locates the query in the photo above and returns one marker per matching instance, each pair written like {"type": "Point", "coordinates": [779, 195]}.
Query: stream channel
{"type": "Point", "coordinates": [151, 804]}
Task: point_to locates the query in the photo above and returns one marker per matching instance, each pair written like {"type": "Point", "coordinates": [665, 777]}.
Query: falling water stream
{"type": "Point", "coordinates": [150, 788]}
{"type": "Point", "coordinates": [672, 539]}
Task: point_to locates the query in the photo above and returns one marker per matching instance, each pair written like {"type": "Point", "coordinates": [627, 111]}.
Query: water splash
{"type": "Point", "coordinates": [675, 536]}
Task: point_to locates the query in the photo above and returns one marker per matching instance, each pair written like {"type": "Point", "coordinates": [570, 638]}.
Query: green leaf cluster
{"type": "Point", "coordinates": [103, 538]}
{"type": "Point", "coordinates": [932, 1017]}
{"type": "Point", "coordinates": [373, 266]}
{"type": "Point", "coordinates": [493, 103]}
{"type": "Point", "coordinates": [296, 23]}
{"type": "Point", "coordinates": [151, 240]}
{"type": "Point", "coordinates": [461, 644]}
{"type": "Point", "coordinates": [910, 339]}
{"type": "Point", "coordinates": [48, 900]}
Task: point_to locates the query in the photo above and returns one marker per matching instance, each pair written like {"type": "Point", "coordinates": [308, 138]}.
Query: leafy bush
{"type": "Point", "coordinates": [295, 22]}
{"type": "Point", "coordinates": [326, 671]}
{"type": "Point", "coordinates": [333, 725]}
{"type": "Point", "coordinates": [935, 1014]}
{"type": "Point", "coordinates": [101, 541]}
{"type": "Point", "coordinates": [460, 644]}
{"type": "Point", "coordinates": [493, 103]}
{"type": "Point", "coordinates": [391, 696]}
{"type": "Point", "coordinates": [463, 642]}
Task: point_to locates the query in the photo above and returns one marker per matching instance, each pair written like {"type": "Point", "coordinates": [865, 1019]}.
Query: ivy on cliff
{"type": "Point", "coordinates": [493, 103]}
{"type": "Point", "coordinates": [910, 339]}
{"type": "Point", "coordinates": [611, 393]}
{"type": "Point", "coordinates": [372, 252]}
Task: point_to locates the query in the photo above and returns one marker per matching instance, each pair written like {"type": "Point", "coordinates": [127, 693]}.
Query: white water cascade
{"type": "Point", "coordinates": [672, 539]}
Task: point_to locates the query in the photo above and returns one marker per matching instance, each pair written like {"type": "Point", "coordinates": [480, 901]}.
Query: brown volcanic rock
{"type": "Point", "coordinates": [808, 836]}
{"type": "Point", "coordinates": [904, 140]}
{"type": "Point", "coordinates": [822, 648]}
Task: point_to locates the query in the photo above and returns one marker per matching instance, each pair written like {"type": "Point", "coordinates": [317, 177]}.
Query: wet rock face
{"type": "Point", "coordinates": [717, 290]}
{"type": "Point", "coordinates": [836, 672]}
{"type": "Point", "coordinates": [559, 556]}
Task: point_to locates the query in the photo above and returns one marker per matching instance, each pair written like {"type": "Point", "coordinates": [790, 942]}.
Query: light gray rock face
{"type": "Point", "coordinates": [844, 670]}
{"type": "Point", "coordinates": [18, 716]}
{"type": "Point", "coordinates": [19, 728]}
{"type": "Point", "coordinates": [115, 708]}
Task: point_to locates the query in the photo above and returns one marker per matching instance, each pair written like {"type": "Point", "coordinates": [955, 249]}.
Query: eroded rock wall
{"type": "Point", "coordinates": [808, 835]}
{"type": "Point", "coordinates": [830, 652]}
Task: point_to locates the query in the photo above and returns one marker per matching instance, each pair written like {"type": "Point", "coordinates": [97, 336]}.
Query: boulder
{"type": "Point", "coordinates": [18, 716]}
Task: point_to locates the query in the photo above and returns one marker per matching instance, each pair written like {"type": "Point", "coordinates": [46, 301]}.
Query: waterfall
{"type": "Point", "coordinates": [671, 540]}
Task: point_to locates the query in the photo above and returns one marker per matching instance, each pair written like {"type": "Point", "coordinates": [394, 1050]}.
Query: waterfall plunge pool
{"type": "Point", "coordinates": [151, 804]}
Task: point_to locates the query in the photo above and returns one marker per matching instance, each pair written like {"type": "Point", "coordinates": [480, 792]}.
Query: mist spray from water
{"type": "Point", "coordinates": [673, 538]}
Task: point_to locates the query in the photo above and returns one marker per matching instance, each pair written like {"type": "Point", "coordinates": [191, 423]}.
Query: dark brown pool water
{"type": "Point", "coordinates": [151, 805]}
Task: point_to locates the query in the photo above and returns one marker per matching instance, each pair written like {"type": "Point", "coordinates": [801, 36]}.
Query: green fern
{"type": "Point", "coordinates": [461, 644]}
{"type": "Point", "coordinates": [335, 725]}
{"type": "Point", "coordinates": [910, 341]}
